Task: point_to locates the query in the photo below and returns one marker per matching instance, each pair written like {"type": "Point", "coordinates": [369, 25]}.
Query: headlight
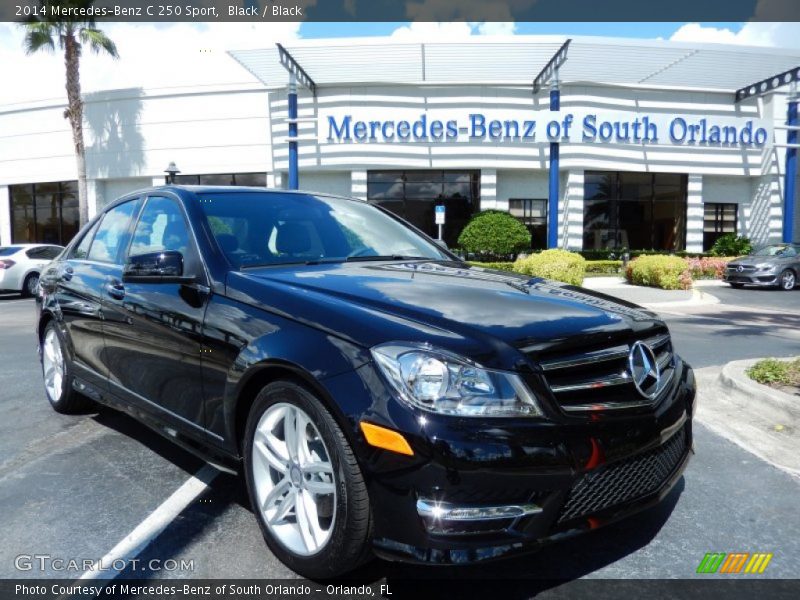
{"type": "Point", "coordinates": [442, 382]}
{"type": "Point", "coordinates": [765, 267]}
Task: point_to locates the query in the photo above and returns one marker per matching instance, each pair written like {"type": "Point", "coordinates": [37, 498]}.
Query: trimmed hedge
{"type": "Point", "coordinates": [665, 272]}
{"type": "Point", "coordinates": [494, 233]}
{"type": "Point", "coordinates": [500, 266]}
{"type": "Point", "coordinates": [559, 265]}
{"type": "Point", "coordinates": [603, 267]}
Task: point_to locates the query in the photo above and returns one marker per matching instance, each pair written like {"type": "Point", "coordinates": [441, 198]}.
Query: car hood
{"type": "Point", "coordinates": [480, 313]}
{"type": "Point", "coordinates": [752, 261]}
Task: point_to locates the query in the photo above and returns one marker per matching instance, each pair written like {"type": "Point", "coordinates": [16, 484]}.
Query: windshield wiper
{"type": "Point", "coordinates": [386, 257]}
{"type": "Point", "coordinates": [312, 261]}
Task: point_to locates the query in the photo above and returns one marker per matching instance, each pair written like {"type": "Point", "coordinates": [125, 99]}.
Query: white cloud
{"type": "Point", "coordinates": [151, 56]}
{"type": "Point", "coordinates": [426, 31]}
{"type": "Point", "coordinates": [785, 35]}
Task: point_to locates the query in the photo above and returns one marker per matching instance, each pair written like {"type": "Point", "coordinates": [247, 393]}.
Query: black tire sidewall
{"type": "Point", "coordinates": [327, 562]}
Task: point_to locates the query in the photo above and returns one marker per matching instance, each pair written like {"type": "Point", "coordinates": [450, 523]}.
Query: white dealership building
{"type": "Point", "coordinates": [654, 150]}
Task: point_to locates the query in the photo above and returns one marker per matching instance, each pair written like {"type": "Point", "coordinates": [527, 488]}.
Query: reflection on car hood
{"type": "Point", "coordinates": [440, 302]}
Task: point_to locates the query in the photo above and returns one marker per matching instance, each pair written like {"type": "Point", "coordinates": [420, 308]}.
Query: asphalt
{"type": "Point", "coordinates": [75, 486]}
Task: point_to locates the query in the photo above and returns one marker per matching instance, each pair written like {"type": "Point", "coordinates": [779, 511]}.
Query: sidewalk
{"type": "Point", "coordinates": [651, 297]}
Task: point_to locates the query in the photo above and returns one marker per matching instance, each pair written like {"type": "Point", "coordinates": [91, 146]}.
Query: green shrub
{"type": "Point", "coordinates": [603, 267]}
{"type": "Point", "coordinates": [494, 233]}
{"type": "Point", "coordinates": [773, 371]}
{"type": "Point", "coordinates": [665, 272]}
{"type": "Point", "coordinates": [500, 266]}
{"type": "Point", "coordinates": [731, 245]}
{"type": "Point", "coordinates": [560, 265]}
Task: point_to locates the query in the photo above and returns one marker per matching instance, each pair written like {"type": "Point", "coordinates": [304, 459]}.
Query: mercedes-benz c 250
{"type": "Point", "coordinates": [379, 395]}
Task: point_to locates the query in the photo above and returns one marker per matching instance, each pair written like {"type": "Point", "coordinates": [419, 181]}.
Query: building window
{"type": "Point", "coordinates": [44, 213]}
{"type": "Point", "coordinates": [641, 211]}
{"type": "Point", "coordinates": [248, 179]}
{"type": "Point", "coordinates": [718, 220]}
{"type": "Point", "coordinates": [414, 195]}
{"type": "Point", "coordinates": [533, 214]}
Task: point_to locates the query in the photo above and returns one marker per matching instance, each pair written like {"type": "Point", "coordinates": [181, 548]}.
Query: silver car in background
{"type": "Point", "coordinates": [770, 266]}
{"type": "Point", "coordinates": [20, 265]}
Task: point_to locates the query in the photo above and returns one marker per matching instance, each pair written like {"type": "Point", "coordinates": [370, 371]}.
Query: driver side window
{"type": "Point", "coordinates": [161, 227]}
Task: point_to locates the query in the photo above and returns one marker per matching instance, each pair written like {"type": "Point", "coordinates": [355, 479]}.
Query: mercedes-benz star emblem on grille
{"type": "Point", "coordinates": [644, 369]}
{"type": "Point", "coordinates": [740, 268]}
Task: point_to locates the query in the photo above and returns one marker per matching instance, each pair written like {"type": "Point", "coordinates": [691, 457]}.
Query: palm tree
{"type": "Point", "coordinates": [59, 23]}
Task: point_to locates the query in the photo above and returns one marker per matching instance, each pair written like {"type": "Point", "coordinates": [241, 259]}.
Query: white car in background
{"type": "Point", "coordinates": [20, 265]}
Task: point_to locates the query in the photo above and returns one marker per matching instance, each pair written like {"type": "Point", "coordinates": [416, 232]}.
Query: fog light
{"type": "Point", "coordinates": [449, 512]}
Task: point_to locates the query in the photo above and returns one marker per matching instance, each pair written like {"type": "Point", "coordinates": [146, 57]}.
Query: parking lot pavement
{"type": "Point", "coordinates": [73, 487]}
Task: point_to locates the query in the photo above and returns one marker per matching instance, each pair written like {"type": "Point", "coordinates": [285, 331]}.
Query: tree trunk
{"type": "Point", "coordinates": [75, 114]}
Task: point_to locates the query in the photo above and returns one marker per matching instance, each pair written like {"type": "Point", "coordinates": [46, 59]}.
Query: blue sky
{"type": "Point", "coordinates": [632, 30]}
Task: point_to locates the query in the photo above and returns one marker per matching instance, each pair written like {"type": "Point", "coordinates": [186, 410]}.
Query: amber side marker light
{"type": "Point", "coordinates": [386, 439]}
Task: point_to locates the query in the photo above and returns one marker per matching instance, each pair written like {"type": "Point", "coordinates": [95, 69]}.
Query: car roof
{"type": "Point", "coordinates": [181, 190]}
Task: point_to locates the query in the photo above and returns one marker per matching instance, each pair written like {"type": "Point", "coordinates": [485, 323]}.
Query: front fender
{"type": "Point", "coordinates": [257, 346]}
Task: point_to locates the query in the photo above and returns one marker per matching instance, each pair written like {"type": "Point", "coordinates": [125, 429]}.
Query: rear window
{"type": "Point", "coordinates": [9, 250]}
{"type": "Point", "coordinates": [44, 252]}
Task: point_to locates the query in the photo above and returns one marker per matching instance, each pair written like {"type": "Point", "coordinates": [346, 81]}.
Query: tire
{"type": "Point", "coordinates": [737, 286]}
{"type": "Point", "coordinates": [29, 285]}
{"type": "Point", "coordinates": [787, 280]}
{"type": "Point", "coordinates": [279, 480]}
{"type": "Point", "coordinates": [57, 373]}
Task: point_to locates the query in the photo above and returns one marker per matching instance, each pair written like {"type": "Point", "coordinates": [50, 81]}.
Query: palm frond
{"type": "Point", "coordinates": [39, 36]}
{"type": "Point", "coordinates": [98, 41]}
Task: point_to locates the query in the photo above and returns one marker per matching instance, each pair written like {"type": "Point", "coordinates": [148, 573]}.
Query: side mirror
{"type": "Point", "coordinates": [442, 244]}
{"type": "Point", "coordinates": [155, 267]}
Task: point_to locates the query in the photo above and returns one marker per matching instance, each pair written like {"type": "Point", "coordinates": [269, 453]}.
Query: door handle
{"type": "Point", "coordinates": [116, 290]}
{"type": "Point", "coordinates": [66, 275]}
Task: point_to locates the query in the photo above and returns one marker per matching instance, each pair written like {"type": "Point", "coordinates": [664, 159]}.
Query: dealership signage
{"type": "Point", "coordinates": [578, 126]}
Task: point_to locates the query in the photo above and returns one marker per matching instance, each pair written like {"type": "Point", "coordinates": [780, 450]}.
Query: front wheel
{"type": "Point", "coordinates": [787, 280]}
{"type": "Point", "coordinates": [304, 483]}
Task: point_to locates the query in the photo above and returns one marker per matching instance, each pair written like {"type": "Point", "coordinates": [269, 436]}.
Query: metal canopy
{"type": "Point", "coordinates": [768, 84]}
{"type": "Point", "coordinates": [510, 60]}
{"type": "Point", "coordinates": [291, 65]}
{"type": "Point", "coordinates": [551, 68]}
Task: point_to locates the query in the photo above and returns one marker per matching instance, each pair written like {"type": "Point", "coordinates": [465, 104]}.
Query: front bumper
{"type": "Point", "coordinates": [759, 278]}
{"type": "Point", "coordinates": [479, 489]}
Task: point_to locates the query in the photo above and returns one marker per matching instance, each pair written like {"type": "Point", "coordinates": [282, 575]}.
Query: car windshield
{"type": "Point", "coordinates": [9, 250]}
{"type": "Point", "coordinates": [776, 250]}
{"type": "Point", "coordinates": [261, 229]}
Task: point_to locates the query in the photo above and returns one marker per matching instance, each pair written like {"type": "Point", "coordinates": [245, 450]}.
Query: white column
{"type": "Point", "coordinates": [358, 184]}
{"type": "Point", "coordinates": [694, 213]}
{"type": "Point", "coordinates": [570, 211]}
{"type": "Point", "coordinates": [158, 181]}
{"type": "Point", "coordinates": [94, 199]}
{"type": "Point", "coordinates": [275, 180]}
{"type": "Point", "coordinates": [5, 216]}
{"type": "Point", "coordinates": [489, 191]}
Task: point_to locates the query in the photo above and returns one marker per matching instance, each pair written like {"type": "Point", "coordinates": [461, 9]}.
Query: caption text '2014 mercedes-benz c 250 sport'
{"type": "Point", "coordinates": [380, 395]}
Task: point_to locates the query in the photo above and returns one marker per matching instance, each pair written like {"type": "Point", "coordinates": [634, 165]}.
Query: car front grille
{"type": "Point", "coordinates": [734, 268]}
{"type": "Point", "coordinates": [600, 379]}
{"type": "Point", "coordinates": [626, 480]}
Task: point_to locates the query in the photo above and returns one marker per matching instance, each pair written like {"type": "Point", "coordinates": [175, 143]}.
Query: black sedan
{"type": "Point", "coordinates": [379, 395]}
{"type": "Point", "coordinates": [777, 265]}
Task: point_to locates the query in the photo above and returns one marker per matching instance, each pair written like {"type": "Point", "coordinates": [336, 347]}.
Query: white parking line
{"type": "Point", "coordinates": [153, 525]}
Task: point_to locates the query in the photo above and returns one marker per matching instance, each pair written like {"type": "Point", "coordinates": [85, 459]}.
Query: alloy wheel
{"type": "Point", "coordinates": [53, 363]}
{"type": "Point", "coordinates": [787, 280]}
{"type": "Point", "coordinates": [294, 479]}
{"type": "Point", "coordinates": [31, 284]}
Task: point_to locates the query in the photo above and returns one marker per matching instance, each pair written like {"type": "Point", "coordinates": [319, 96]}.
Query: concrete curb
{"type": "Point", "coordinates": [699, 298]}
{"type": "Point", "coordinates": [763, 421]}
{"type": "Point", "coordinates": [734, 378]}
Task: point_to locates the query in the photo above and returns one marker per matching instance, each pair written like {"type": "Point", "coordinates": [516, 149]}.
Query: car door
{"type": "Point", "coordinates": [153, 328]}
{"type": "Point", "coordinates": [79, 281]}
